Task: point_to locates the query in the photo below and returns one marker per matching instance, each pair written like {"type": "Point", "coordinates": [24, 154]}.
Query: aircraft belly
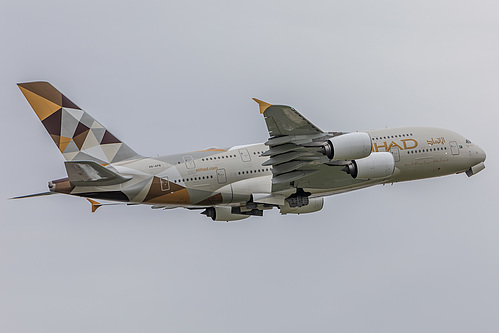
{"type": "Point", "coordinates": [425, 167]}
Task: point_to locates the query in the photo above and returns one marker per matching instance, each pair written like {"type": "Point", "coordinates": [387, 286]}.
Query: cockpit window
{"type": "Point", "coordinates": [468, 141]}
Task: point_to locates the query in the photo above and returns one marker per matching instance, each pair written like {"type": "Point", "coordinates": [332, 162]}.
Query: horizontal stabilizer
{"type": "Point", "coordinates": [96, 205]}
{"type": "Point", "coordinates": [89, 173]}
{"type": "Point", "coordinates": [34, 195]}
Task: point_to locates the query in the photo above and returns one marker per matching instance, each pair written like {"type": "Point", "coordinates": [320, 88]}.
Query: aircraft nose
{"type": "Point", "coordinates": [480, 155]}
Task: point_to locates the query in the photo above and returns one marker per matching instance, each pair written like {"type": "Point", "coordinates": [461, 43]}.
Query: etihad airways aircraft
{"type": "Point", "coordinates": [293, 170]}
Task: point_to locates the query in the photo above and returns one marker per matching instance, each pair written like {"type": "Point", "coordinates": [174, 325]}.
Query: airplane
{"type": "Point", "coordinates": [293, 170]}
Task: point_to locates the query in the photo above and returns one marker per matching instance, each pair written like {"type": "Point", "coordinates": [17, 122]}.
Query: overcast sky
{"type": "Point", "coordinates": [167, 77]}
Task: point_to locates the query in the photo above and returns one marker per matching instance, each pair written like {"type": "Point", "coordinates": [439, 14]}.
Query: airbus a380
{"type": "Point", "coordinates": [293, 170]}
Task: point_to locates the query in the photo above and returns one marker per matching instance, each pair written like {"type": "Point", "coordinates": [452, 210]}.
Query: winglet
{"type": "Point", "coordinates": [263, 105]}
{"type": "Point", "coordinates": [95, 205]}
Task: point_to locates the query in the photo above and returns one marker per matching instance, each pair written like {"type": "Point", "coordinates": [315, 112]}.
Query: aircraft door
{"type": "Point", "coordinates": [189, 162]}
{"type": "Point", "coordinates": [245, 156]}
{"type": "Point", "coordinates": [165, 184]}
{"type": "Point", "coordinates": [396, 153]}
{"type": "Point", "coordinates": [221, 176]}
{"type": "Point", "coordinates": [453, 148]}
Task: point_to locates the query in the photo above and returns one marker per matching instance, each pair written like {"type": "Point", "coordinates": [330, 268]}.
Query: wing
{"type": "Point", "coordinates": [295, 145]}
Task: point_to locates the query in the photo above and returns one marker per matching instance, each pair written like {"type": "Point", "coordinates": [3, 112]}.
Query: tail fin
{"type": "Point", "coordinates": [77, 135]}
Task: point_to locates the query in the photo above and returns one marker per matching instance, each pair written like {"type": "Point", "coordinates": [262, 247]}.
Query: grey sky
{"type": "Point", "coordinates": [172, 77]}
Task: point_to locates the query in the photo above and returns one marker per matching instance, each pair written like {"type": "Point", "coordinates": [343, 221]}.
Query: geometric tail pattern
{"type": "Point", "coordinates": [78, 136]}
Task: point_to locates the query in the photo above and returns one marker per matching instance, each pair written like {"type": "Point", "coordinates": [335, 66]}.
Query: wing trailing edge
{"type": "Point", "coordinates": [294, 145]}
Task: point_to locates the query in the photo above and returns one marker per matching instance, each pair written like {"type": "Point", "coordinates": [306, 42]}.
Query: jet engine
{"type": "Point", "coordinates": [223, 213]}
{"type": "Point", "coordinates": [348, 146]}
{"type": "Point", "coordinates": [314, 205]}
{"type": "Point", "coordinates": [376, 165]}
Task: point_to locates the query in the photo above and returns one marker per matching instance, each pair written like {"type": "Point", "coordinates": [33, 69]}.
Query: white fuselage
{"type": "Point", "coordinates": [235, 174]}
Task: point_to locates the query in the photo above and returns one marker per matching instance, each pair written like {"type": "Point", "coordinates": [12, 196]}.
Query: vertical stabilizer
{"type": "Point", "coordinates": [77, 135]}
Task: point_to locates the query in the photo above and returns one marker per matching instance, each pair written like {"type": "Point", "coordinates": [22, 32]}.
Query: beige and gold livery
{"type": "Point", "coordinates": [293, 170]}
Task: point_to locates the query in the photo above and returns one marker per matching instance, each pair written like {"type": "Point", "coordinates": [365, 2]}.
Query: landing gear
{"type": "Point", "coordinates": [298, 199]}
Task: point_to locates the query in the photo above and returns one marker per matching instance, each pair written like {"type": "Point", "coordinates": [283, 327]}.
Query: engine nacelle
{"type": "Point", "coordinates": [223, 213]}
{"type": "Point", "coordinates": [314, 205]}
{"type": "Point", "coordinates": [376, 165]}
{"type": "Point", "coordinates": [348, 146]}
